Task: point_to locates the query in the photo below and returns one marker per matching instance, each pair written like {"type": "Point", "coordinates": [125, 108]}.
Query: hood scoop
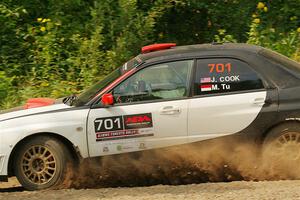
{"type": "Point", "coordinates": [38, 102]}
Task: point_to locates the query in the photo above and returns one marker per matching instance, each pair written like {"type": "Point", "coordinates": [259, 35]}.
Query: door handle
{"type": "Point", "coordinates": [259, 101]}
{"type": "Point", "coordinates": [170, 110]}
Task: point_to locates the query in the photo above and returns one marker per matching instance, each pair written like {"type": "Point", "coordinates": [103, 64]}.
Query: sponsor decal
{"type": "Point", "coordinates": [127, 147]}
{"type": "Point", "coordinates": [138, 121]}
{"type": "Point", "coordinates": [146, 130]}
{"type": "Point", "coordinates": [105, 149]}
{"type": "Point", "coordinates": [123, 127]}
{"type": "Point", "coordinates": [124, 136]}
{"type": "Point", "coordinates": [116, 133]}
{"type": "Point", "coordinates": [123, 142]}
{"type": "Point", "coordinates": [119, 147]}
{"type": "Point", "coordinates": [142, 146]}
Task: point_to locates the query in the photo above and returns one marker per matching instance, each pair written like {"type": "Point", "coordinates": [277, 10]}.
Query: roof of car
{"type": "Point", "coordinates": [191, 50]}
{"type": "Point", "coordinates": [269, 64]}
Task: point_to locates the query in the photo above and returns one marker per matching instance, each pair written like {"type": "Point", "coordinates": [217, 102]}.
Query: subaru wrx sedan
{"type": "Point", "coordinates": [165, 96]}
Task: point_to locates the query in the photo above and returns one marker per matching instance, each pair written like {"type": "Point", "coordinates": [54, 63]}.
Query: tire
{"type": "Point", "coordinates": [281, 151]}
{"type": "Point", "coordinates": [43, 162]}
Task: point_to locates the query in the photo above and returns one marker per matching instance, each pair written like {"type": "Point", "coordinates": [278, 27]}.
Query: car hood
{"type": "Point", "coordinates": [20, 111]}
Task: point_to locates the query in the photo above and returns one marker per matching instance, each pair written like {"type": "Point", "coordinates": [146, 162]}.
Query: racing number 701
{"type": "Point", "coordinates": [219, 67]}
{"type": "Point", "coordinates": [108, 124]}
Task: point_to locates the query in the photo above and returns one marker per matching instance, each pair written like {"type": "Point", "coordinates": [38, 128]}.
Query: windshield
{"type": "Point", "coordinates": [88, 94]}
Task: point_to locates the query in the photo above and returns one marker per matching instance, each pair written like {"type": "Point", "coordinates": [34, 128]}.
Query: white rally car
{"type": "Point", "coordinates": [163, 97]}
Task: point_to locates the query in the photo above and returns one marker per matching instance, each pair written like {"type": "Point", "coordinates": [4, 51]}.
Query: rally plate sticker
{"type": "Point", "coordinates": [123, 127]}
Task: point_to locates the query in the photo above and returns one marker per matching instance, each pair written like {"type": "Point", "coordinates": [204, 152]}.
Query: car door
{"type": "Point", "coordinates": [228, 96]}
{"type": "Point", "coordinates": [150, 111]}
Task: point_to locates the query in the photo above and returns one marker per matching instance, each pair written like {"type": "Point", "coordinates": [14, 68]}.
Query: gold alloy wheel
{"type": "Point", "coordinates": [38, 164]}
{"type": "Point", "coordinates": [288, 146]}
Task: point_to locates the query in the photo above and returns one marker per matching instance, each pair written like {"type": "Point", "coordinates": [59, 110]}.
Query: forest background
{"type": "Point", "coordinates": [54, 48]}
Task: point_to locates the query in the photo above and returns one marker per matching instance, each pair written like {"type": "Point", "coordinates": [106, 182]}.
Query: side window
{"type": "Point", "coordinates": [222, 75]}
{"type": "Point", "coordinates": [162, 81]}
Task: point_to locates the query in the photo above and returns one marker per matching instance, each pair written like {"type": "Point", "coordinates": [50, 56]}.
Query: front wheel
{"type": "Point", "coordinates": [43, 162]}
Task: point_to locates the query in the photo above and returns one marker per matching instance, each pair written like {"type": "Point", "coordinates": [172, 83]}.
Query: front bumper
{"type": "Point", "coordinates": [2, 160]}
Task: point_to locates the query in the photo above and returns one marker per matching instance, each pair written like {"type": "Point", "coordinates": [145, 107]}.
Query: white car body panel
{"type": "Point", "coordinates": [215, 116]}
{"type": "Point", "coordinates": [168, 128]}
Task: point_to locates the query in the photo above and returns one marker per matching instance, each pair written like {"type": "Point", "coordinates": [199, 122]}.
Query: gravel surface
{"type": "Point", "coordinates": [237, 172]}
{"type": "Point", "coordinates": [231, 190]}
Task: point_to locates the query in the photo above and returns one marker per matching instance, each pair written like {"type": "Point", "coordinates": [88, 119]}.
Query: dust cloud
{"type": "Point", "coordinates": [212, 161]}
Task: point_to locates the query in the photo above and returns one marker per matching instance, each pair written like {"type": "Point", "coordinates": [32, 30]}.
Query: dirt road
{"type": "Point", "coordinates": [232, 190]}
{"type": "Point", "coordinates": [167, 175]}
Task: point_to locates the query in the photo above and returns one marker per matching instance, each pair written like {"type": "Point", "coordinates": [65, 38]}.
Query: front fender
{"type": "Point", "coordinates": [70, 124]}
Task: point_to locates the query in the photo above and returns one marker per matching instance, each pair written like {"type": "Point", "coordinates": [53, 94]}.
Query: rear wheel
{"type": "Point", "coordinates": [43, 162]}
{"type": "Point", "coordinates": [281, 150]}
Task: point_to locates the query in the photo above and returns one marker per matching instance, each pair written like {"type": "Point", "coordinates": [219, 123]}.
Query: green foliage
{"type": "Point", "coordinates": [59, 47]}
{"type": "Point", "coordinates": [222, 37]}
{"type": "Point", "coordinates": [276, 26]}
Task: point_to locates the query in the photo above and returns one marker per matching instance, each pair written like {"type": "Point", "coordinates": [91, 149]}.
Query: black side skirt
{"type": "Point", "coordinates": [3, 178]}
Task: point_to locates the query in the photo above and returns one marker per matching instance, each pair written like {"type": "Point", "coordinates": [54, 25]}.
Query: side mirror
{"type": "Point", "coordinates": [107, 99]}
